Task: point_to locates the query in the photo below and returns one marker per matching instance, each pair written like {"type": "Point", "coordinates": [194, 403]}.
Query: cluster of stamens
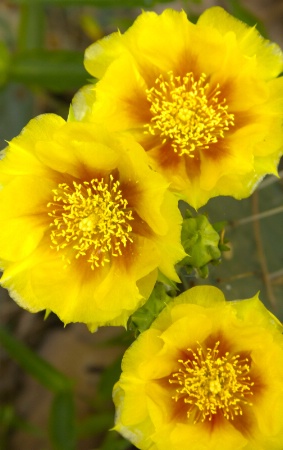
{"type": "Point", "coordinates": [188, 113]}
{"type": "Point", "coordinates": [91, 217]}
{"type": "Point", "coordinates": [211, 384]}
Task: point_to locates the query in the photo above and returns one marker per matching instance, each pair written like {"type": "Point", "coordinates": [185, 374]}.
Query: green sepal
{"type": "Point", "coordinates": [170, 285]}
{"type": "Point", "coordinates": [144, 316]}
{"type": "Point", "coordinates": [203, 242]}
{"type": "Point", "coordinates": [47, 313]}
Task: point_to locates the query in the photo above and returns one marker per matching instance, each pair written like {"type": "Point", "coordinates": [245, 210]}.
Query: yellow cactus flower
{"type": "Point", "coordinates": [207, 375]}
{"type": "Point", "coordinates": [203, 99]}
{"type": "Point", "coordinates": [85, 223]}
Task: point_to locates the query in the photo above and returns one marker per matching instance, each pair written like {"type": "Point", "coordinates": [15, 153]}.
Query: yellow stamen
{"type": "Point", "coordinates": [212, 384]}
{"type": "Point", "coordinates": [91, 217]}
{"type": "Point", "coordinates": [187, 112]}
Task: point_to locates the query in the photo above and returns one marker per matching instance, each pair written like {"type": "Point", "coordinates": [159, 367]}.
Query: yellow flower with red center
{"type": "Point", "coordinates": [85, 223]}
{"type": "Point", "coordinates": [203, 99]}
{"type": "Point", "coordinates": [207, 375]}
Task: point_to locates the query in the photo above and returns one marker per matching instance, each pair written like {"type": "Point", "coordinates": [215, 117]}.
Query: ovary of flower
{"type": "Point", "coordinates": [210, 383]}
{"type": "Point", "coordinates": [91, 217]}
{"type": "Point", "coordinates": [187, 112]}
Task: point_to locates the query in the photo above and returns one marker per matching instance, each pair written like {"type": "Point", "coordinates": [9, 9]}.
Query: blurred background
{"type": "Point", "coordinates": [56, 382]}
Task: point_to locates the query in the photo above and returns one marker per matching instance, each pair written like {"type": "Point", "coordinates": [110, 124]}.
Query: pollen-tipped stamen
{"type": "Point", "coordinates": [91, 217]}
{"type": "Point", "coordinates": [211, 384]}
{"type": "Point", "coordinates": [187, 112]}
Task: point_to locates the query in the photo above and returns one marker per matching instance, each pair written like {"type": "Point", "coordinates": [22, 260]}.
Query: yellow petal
{"type": "Point", "coordinates": [269, 56]}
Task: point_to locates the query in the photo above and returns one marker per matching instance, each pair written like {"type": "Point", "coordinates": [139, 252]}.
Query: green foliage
{"type": "Point", "coordinates": [9, 421]}
{"type": "Point", "coordinates": [202, 242]}
{"type": "Point", "coordinates": [62, 422]}
{"type": "Point", "coordinates": [63, 429]}
{"type": "Point", "coordinates": [98, 3]}
{"type": "Point", "coordinates": [236, 8]}
{"type": "Point", "coordinates": [107, 380]}
{"type": "Point", "coordinates": [31, 28]}
{"type": "Point", "coordinates": [37, 367]}
{"type": "Point", "coordinates": [35, 66]}
{"type": "Point", "coordinates": [62, 414]}
{"type": "Point", "coordinates": [25, 60]}
{"type": "Point", "coordinates": [95, 424]}
{"type": "Point", "coordinates": [4, 63]}
{"type": "Point", "coordinates": [144, 316]}
{"type": "Point", "coordinates": [114, 441]}
{"type": "Point", "coordinates": [53, 70]}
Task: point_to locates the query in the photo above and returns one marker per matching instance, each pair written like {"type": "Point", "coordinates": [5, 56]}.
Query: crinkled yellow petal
{"type": "Point", "coordinates": [23, 225]}
{"type": "Point", "coordinates": [24, 243]}
{"type": "Point", "coordinates": [129, 108]}
{"type": "Point", "coordinates": [269, 419]}
{"type": "Point", "coordinates": [99, 55]}
{"type": "Point", "coordinates": [237, 63]}
{"type": "Point", "coordinates": [138, 416]}
{"type": "Point", "coordinates": [136, 396]}
{"type": "Point", "coordinates": [169, 251]}
{"type": "Point", "coordinates": [227, 438]}
{"type": "Point", "coordinates": [82, 103]}
{"type": "Point", "coordinates": [268, 55]}
{"type": "Point", "coordinates": [32, 193]}
{"type": "Point", "coordinates": [143, 40]}
{"type": "Point", "coordinates": [253, 312]}
{"type": "Point", "coordinates": [150, 186]}
{"type": "Point", "coordinates": [186, 331]}
{"type": "Point", "coordinates": [79, 146]}
{"type": "Point", "coordinates": [19, 158]}
{"type": "Point", "coordinates": [206, 296]}
{"type": "Point", "coordinates": [246, 328]}
{"type": "Point", "coordinates": [92, 298]}
{"type": "Point", "coordinates": [46, 265]}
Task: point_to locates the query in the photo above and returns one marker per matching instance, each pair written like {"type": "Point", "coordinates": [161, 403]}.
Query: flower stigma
{"type": "Point", "coordinates": [210, 384]}
{"type": "Point", "coordinates": [91, 217]}
{"type": "Point", "coordinates": [187, 112]}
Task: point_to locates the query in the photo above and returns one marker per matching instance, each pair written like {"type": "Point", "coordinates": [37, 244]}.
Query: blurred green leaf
{"type": "Point", "coordinates": [124, 339]}
{"type": "Point", "coordinates": [107, 380]}
{"type": "Point", "coordinates": [62, 422]}
{"type": "Point", "coordinates": [6, 423]}
{"type": "Point", "coordinates": [31, 27]}
{"type": "Point", "coordinates": [4, 63]}
{"type": "Point", "coordinates": [113, 441]}
{"type": "Point", "coordinates": [16, 109]}
{"type": "Point", "coordinates": [100, 3]}
{"type": "Point", "coordinates": [94, 424]}
{"type": "Point", "coordinates": [10, 420]}
{"type": "Point", "coordinates": [53, 70]}
{"type": "Point", "coordinates": [6, 416]}
{"type": "Point", "coordinates": [33, 364]}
